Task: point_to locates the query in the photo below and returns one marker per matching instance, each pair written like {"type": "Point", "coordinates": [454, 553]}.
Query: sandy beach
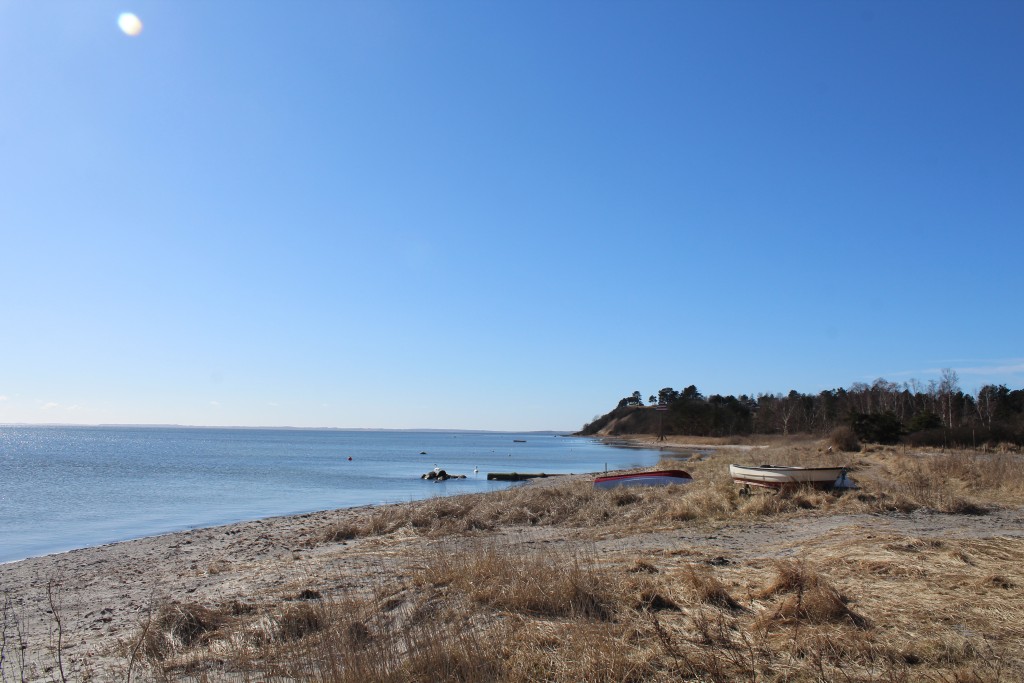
{"type": "Point", "coordinates": [96, 600]}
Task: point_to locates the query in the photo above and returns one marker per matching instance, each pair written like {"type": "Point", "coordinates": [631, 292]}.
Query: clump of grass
{"type": "Point", "coordinates": [998, 581]}
{"type": "Point", "coordinates": [708, 589]}
{"type": "Point", "coordinates": [309, 594]}
{"type": "Point", "coordinates": [641, 566]}
{"type": "Point", "coordinates": [218, 566]}
{"type": "Point", "coordinates": [716, 500]}
{"type": "Point", "coordinates": [820, 605]}
{"type": "Point", "coordinates": [450, 515]}
{"type": "Point", "coordinates": [539, 583]}
{"type": "Point", "coordinates": [576, 504]}
{"type": "Point", "coordinates": [809, 596]}
{"type": "Point", "coordinates": [178, 626]}
{"type": "Point", "coordinates": [300, 620]}
{"type": "Point", "coordinates": [354, 640]}
{"type": "Point", "coordinates": [385, 520]}
{"type": "Point", "coordinates": [655, 601]}
{"type": "Point", "coordinates": [917, 545]}
{"type": "Point", "coordinates": [622, 496]}
{"type": "Point", "coordinates": [598, 652]}
{"type": "Point", "coordinates": [343, 531]}
{"type": "Point", "coordinates": [379, 522]}
{"type": "Point", "coordinates": [446, 651]}
{"type": "Point", "coordinates": [651, 593]}
{"type": "Point", "coordinates": [784, 501]}
{"type": "Point", "coordinates": [791, 576]}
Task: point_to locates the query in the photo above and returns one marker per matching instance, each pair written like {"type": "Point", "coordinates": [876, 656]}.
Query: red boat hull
{"type": "Point", "coordinates": [659, 478]}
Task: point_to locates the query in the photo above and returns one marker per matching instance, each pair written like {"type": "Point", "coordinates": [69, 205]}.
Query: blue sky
{"type": "Point", "coordinates": [500, 215]}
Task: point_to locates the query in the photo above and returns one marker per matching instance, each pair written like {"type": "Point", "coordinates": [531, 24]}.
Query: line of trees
{"type": "Point", "coordinates": [938, 412]}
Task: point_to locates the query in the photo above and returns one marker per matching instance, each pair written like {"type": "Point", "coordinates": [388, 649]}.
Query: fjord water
{"type": "Point", "coordinates": [71, 487]}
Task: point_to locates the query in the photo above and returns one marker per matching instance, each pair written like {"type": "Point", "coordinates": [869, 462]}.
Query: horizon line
{"type": "Point", "coordinates": [154, 425]}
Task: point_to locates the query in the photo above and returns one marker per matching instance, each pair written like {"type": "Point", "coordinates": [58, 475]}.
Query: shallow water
{"type": "Point", "coordinates": [72, 487]}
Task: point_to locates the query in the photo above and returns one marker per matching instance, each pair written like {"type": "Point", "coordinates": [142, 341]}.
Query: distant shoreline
{"type": "Point", "coordinates": [676, 443]}
{"type": "Point", "coordinates": [542, 432]}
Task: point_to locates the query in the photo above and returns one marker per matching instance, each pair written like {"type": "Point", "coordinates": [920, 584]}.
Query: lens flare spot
{"type": "Point", "coordinates": [129, 24]}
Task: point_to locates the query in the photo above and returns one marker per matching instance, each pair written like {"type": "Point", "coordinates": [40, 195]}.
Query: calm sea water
{"type": "Point", "coordinates": [72, 487]}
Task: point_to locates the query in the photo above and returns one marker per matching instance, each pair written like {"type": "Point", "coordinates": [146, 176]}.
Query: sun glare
{"type": "Point", "coordinates": [130, 24]}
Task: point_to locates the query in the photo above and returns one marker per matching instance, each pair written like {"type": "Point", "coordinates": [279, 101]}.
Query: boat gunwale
{"type": "Point", "coordinates": [675, 474]}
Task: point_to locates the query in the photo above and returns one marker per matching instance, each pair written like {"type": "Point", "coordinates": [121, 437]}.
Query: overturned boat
{"type": "Point", "coordinates": [659, 478]}
{"type": "Point", "coordinates": [778, 476]}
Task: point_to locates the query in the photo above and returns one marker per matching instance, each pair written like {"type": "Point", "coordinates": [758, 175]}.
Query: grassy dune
{"type": "Point", "coordinates": [918, 575]}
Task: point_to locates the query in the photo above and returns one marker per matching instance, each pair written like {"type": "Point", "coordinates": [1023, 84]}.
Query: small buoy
{"type": "Point", "coordinates": [475, 470]}
{"type": "Point", "coordinates": [350, 457]}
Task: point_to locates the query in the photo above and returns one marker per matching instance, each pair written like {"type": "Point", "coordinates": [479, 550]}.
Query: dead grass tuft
{"type": "Point", "coordinates": [917, 545]}
{"type": "Point", "coordinates": [708, 589]}
{"type": "Point", "coordinates": [819, 605]}
{"type": "Point", "coordinates": [179, 626]}
{"type": "Point", "coordinates": [809, 596]}
{"type": "Point", "coordinates": [654, 601]}
{"type": "Point", "coordinates": [379, 522]}
{"type": "Point", "coordinates": [299, 621]}
{"type": "Point", "coordinates": [642, 567]}
{"type": "Point", "coordinates": [309, 594]}
{"type": "Point", "coordinates": [998, 581]}
{"type": "Point", "coordinates": [337, 533]}
{"type": "Point", "coordinates": [383, 521]}
{"type": "Point", "coordinates": [539, 583]}
{"type": "Point", "coordinates": [785, 501]}
{"type": "Point", "coordinates": [714, 500]}
{"type": "Point", "coordinates": [791, 576]}
{"type": "Point", "coordinates": [598, 652]}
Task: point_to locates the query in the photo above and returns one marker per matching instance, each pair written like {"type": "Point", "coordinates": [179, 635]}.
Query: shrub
{"type": "Point", "coordinates": [924, 420]}
{"type": "Point", "coordinates": [884, 428]}
{"type": "Point", "coordinates": [844, 439]}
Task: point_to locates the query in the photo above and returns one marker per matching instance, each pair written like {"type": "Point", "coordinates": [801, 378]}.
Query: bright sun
{"type": "Point", "coordinates": [130, 24]}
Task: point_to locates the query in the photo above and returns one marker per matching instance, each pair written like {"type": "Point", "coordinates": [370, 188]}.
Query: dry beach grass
{"type": "Point", "coordinates": [916, 576]}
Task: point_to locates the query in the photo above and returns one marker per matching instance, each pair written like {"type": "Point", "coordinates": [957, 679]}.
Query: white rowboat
{"type": "Point", "coordinates": [777, 476]}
